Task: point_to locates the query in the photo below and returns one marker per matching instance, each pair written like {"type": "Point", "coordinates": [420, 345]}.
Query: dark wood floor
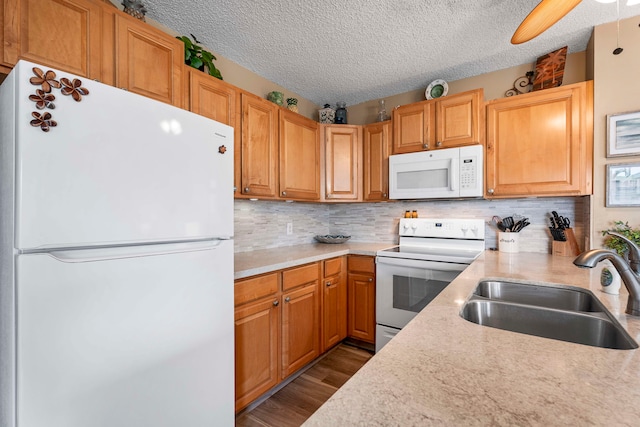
{"type": "Point", "coordinates": [292, 405]}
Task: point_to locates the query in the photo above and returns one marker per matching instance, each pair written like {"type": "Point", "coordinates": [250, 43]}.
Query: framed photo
{"type": "Point", "coordinates": [623, 134]}
{"type": "Point", "coordinates": [623, 184]}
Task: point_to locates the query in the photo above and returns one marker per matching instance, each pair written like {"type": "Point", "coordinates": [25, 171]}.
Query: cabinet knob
{"type": "Point", "coordinates": [490, 191]}
{"type": "Point", "coordinates": [287, 299]}
{"type": "Point", "coordinates": [425, 146]}
{"type": "Point", "coordinates": [370, 279]}
{"type": "Point", "coordinates": [438, 144]}
{"type": "Point", "coordinates": [246, 189]}
{"type": "Point", "coordinates": [384, 195]}
{"type": "Point", "coordinates": [328, 284]}
{"type": "Point", "coordinates": [284, 193]}
{"type": "Point", "coordinates": [276, 303]}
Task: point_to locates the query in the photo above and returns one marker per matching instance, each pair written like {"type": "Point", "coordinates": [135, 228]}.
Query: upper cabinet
{"type": "Point", "coordinates": [210, 97]}
{"type": "Point", "coordinates": [259, 147]}
{"type": "Point", "coordinates": [376, 149]}
{"type": "Point", "coordinates": [541, 143]}
{"type": "Point", "coordinates": [63, 34]}
{"type": "Point", "coordinates": [452, 121]}
{"type": "Point", "coordinates": [299, 157]}
{"type": "Point", "coordinates": [342, 149]}
{"type": "Point", "coordinates": [149, 62]}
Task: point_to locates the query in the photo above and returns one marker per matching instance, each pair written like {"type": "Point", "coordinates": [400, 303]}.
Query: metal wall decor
{"type": "Point", "coordinates": [522, 84]}
{"type": "Point", "coordinates": [43, 97]}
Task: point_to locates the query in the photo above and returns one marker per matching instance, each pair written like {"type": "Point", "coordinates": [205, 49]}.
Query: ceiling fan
{"type": "Point", "coordinates": [543, 16]}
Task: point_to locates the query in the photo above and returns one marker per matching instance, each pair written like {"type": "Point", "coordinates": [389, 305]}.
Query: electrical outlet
{"type": "Point", "coordinates": [289, 228]}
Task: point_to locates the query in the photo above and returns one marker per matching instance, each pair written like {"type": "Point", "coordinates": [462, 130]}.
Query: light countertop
{"type": "Point", "coordinates": [263, 261]}
{"type": "Point", "coordinates": [443, 370]}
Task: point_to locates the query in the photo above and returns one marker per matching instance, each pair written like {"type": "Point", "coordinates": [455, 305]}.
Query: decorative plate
{"type": "Point", "coordinates": [335, 238]}
{"type": "Point", "coordinates": [436, 89]}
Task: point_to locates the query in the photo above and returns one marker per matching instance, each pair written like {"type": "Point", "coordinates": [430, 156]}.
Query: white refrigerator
{"type": "Point", "coordinates": [116, 258]}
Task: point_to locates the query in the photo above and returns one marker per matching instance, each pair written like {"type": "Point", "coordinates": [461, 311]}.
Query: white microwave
{"type": "Point", "coordinates": [449, 173]}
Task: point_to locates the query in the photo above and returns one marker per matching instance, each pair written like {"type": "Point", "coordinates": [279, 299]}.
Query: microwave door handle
{"type": "Point", "coordinates": [453, 178]}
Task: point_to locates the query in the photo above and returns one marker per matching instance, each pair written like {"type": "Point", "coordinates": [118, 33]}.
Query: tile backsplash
{"type": "Point", "coordinates": [263, 224]}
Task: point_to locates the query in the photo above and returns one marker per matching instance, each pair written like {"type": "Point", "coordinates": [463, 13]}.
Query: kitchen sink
{"type": "Point", "coordinates": [561, 313]}
{"type": "Point", "coordinates": [573, 299]}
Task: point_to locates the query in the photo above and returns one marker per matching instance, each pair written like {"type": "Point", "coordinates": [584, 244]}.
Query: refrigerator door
{"type": "Point", "coordinates": [126, 341]}
{"type": "Point", "coordinates": [118, 168]}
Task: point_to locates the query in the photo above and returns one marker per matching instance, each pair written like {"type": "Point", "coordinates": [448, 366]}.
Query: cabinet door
{"type": "Point", "coordinates": [334, 307]}
{"type": "Point", "coordinates": [342, 162]}
{"type": "Point", "coordinates": [256, 349]}
{"type": "Point", "coordinates": [540, 144]}
{"type": "Point", "coordinates": [362, 306]}
{"type": "Point", "coordinates": [377, 145]}
{"type": "Point", "coordinates": [300, 328]}
{"type": "Point", "coordinates": [149, 61]}
{"type": "Point", "coordinates": [414, 127]}
{"type": "Point", "coordinates": [299, 157]}
{"type": "Point", "coordinates": [64, 34]}
{"type": "Point", "coordinates": [458, 119]}
{"type": "Point", "coordinates": [259, 147]}
{"type": "Point", "coordinates": [211, 97]}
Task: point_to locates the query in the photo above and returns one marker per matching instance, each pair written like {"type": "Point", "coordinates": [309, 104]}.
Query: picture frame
{"type": "Point", "coordinates": [623, 134]}
{"type": "Point", "coordinates": [623, 185]}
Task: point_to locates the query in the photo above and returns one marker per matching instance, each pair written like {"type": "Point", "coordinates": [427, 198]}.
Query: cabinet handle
{"type": "Point", "coordinates": [287, 299]}
{"type": "Point", "coordinates": [276, 303]}
{"type": "Point", "coordinates": [328, 283]}
{"type": "Point", "coordinates": [284, 193]}
{"type": "Point", "coordinates": [246, 189]}
{"type": "Point", "coordinates": [490, 191]}
{"type": "Point", "coordinates": [438, 144]}
{"type": "Point", "coordinates": [425, 146]}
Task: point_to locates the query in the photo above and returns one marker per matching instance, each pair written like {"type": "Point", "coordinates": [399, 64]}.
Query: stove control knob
{"type": "Point", "coordinates": [414, 227]}
{"type": "Point", "coordinates": [474, 229]}
{"type": "Point", "coordinates": [464, 229]}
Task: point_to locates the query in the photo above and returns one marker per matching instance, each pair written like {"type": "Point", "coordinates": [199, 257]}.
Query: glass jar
{"type": "Point", "coordinates": [341, 113]}
{"type": "Point", "coordinates": [382, 111]}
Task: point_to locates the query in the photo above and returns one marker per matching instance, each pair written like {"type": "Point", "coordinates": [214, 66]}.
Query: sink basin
{"type": "Point", "coordinates": [561, 313]}
{"type": "Point", "coordinates": [573, 299]}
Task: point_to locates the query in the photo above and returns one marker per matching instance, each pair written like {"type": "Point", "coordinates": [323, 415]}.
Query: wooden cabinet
{"type": "Point", "coordinates": [64, 34]}
{"type": "Point", "coordinates": [452, 121]}
{"type": "Point", "coordinates": [300, 327]}
{"type": "Point", "coordinates": [541, 143]}
{"type": "Point", "coordinates": [257, 323]}
{"type": "Point", "coordinates": [149, 62]}
{"type": "Point", "coordinates": [299, 164]}
{"type": "Point", "coordinates": [361, 298]}
{"type": "Point", "coordinates": [259, 147]}
{"type": "Point", "coordinates": [342, 155]}
{"type": "Point", "coordinates": [334, 302]}
{"type": "Point", "coordinates": [376, 150]}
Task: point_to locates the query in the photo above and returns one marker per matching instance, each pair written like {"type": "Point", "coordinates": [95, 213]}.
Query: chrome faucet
{"type": "Point", "coordinates": [628, 272]}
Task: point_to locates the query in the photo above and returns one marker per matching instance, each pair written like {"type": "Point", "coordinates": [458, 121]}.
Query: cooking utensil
{"type": "Point", "coordinates": [508, 223]}
{"type": "Point", "coordinates": [497, 222]}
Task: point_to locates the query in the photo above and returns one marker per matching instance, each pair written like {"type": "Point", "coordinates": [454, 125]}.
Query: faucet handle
{"type": "Point", "coordinates": [634, 251]}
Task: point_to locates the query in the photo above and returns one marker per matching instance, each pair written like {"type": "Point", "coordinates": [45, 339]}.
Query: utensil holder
{"type": "Point", "coordinates": [508, 242]}
{"type": "Point", "coordinates": [568, 248]}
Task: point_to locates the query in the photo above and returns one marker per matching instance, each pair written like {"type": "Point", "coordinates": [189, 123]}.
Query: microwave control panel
{"type": "Point", "coordinates": [471, 168]}
{"type": "Point", "coordinates": [468, 170]}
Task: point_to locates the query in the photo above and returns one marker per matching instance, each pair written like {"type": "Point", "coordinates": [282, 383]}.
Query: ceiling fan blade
{"type": "Point", "coordinates": [543, 16]}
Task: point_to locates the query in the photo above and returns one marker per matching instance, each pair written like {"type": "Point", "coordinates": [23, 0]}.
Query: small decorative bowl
{"type": "Point", "coordinates": [332, 238]}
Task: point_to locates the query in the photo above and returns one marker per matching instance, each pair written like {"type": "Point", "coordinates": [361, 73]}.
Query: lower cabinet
{"type": "Point", "coordinates": [334, 302]}
{"type": "Point", "coordinates": [300, 328]}
{"type": "Point", "coordinates": [361, 298]}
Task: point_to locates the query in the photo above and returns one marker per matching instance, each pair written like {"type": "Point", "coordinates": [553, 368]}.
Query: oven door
{"type": "Point", "coordinates": [406, 286]}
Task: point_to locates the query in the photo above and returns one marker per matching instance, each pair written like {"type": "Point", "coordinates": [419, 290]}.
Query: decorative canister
{"type": "Point", "coordinates": [134, 8]}
{"type": "Point", "coordinates": [276, 97]}
{"type": "Point", "coordinates": [292, 104]}
{"type": "Point", "coordinates": [327, 114]}
{"type": "Point", "coordinates": [382, 111]}
{"type": "Point", "coordinates": [341, 113]}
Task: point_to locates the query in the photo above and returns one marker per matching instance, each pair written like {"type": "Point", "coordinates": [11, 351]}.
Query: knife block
{"type": "Point", "coordinates": [568, 248]}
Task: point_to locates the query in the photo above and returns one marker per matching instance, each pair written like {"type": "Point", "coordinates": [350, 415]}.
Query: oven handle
{"type": "Point", "coordinates": [432, 265]}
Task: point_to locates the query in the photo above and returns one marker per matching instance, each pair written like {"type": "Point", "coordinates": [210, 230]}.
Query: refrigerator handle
{"type": "Point", "coordinates": [122, 252]}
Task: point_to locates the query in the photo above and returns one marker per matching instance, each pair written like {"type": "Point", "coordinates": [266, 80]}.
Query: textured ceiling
{"type": "Point", "coordinates": [359, 50]}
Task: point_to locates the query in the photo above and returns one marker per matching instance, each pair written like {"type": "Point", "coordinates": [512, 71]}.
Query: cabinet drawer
{"type": "Point", "coordinates": [362, 263]}
{"type": "Point", "coordinates": [332, 266]}
{"type": "Point", "coordinates": [246, 290]}
{"type": "Point", "coordinates": [300, 276]}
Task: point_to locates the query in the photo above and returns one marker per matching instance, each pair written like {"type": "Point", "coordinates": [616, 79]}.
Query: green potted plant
{"type": "Point", "coordinates": [196, 57]}
{"type": "Point", "coordinates": [616, 243]}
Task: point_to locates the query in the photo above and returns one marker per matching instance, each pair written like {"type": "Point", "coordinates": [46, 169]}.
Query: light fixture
{"type": "Point", "coordinates": [618, 49]}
